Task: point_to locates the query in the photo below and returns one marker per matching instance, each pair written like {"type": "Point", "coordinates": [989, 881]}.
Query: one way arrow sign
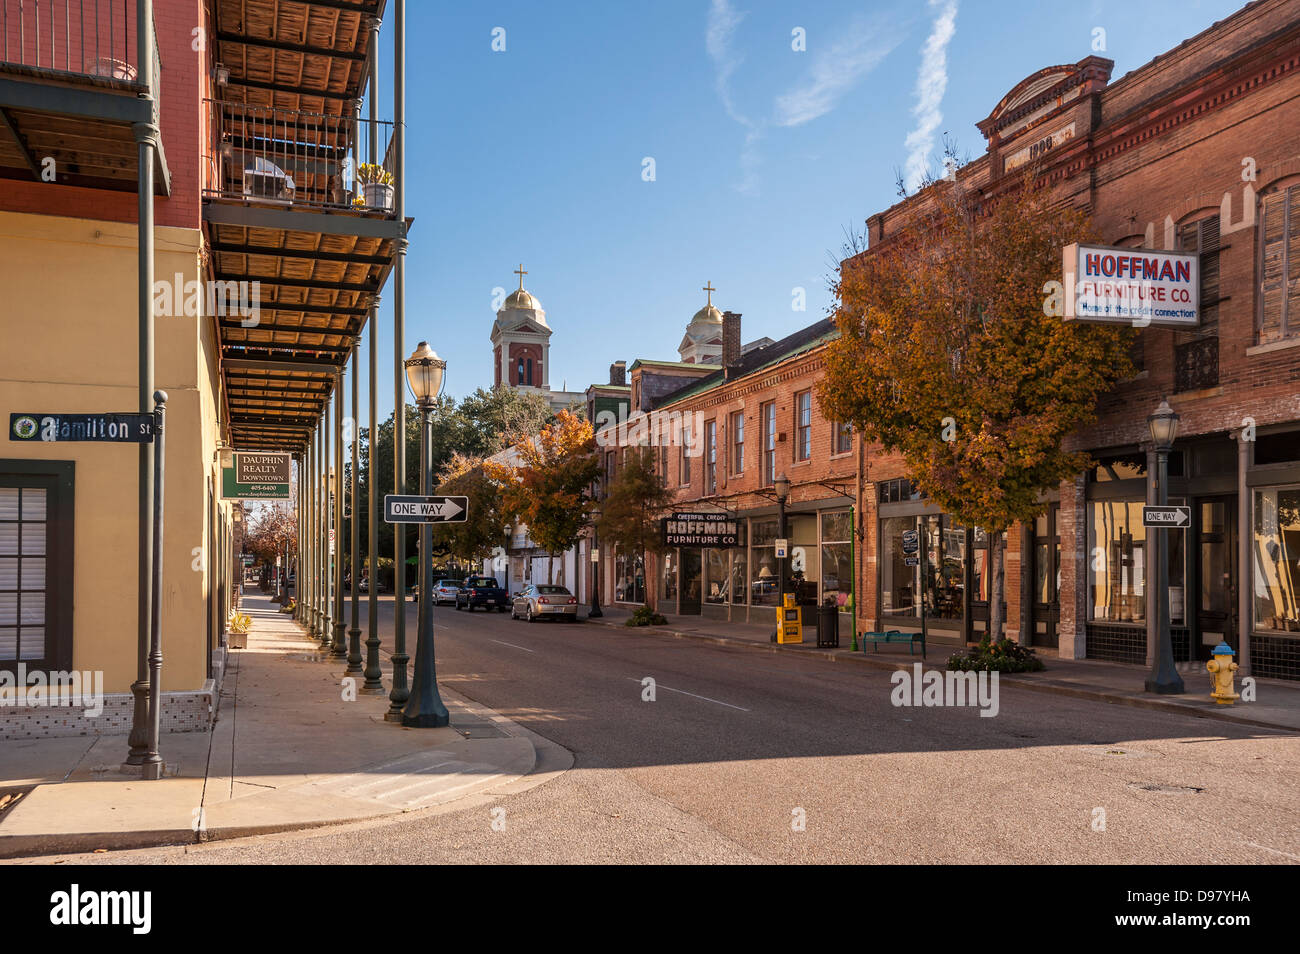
{"type": "Point", "coordinates": [411, 509]}
{"type": "Point", "coordinates": [1166, 516]}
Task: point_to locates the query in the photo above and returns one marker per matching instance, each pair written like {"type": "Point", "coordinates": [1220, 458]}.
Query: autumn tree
{"type": "Point", "coordinates": [486, 521]}
{"type": "Point", "coordinates": [950, 354]}
{"type": "Point", "coordinates": [550, 488]}
{"type": "Point", "coordinates": [630, 513]}
{"type": "Point", "coordinates": [273, 533]}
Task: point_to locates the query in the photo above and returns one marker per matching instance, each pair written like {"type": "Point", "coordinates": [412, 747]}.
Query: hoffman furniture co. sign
{"type": "Point", "coordinates": [701, 530]}
{"type": "Point", "coordinates": [1132, 286]}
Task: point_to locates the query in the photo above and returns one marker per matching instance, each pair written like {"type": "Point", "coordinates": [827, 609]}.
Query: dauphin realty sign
{"type": "Point", "coordinates": [1132, 286]}
{"type": "Point", "coordinates": [261, 468]}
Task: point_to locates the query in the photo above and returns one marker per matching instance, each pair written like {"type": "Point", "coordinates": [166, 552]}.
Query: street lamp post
{"type": "Point", "coordinates": [594, 612]}
{"type": "Point", "coordinates": [424, 708]}
{"type": "Point", "coordinates": [1164, 676]}
{"type": "Point", "coordinates": [782, 487]}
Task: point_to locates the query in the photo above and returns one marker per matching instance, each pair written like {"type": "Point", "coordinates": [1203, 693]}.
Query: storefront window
{"type": "Point", "coordinates": [1276, 558]}
{"type": "Point", "coordinates": [1117, 563]}
{"type": "Point", "coordinates": [762, 563]}
{"type": "Point", "coordinates": [629, 578]}
{"type": "Point", "coordinates": [716, 578]}
{"type": "Point", "coordinates": [668, 584]}
{"type": "Point", "coordinates": [980, 570]}
{"type": "Point", "coordinates": [837, 565]}
{"type": "Point", "coordinates": [946, 568]}
{"type": "Point", "coordinates": [739, 589]}
{"type": "Point", "coordinates": [898, 570]}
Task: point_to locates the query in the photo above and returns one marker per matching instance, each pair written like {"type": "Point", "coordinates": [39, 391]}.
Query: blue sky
{"type": "Point", "coordinates": [762, 154]}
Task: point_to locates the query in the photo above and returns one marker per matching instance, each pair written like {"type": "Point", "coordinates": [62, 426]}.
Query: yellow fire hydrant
{"type": "Point", "coordinates": [1223, 669]}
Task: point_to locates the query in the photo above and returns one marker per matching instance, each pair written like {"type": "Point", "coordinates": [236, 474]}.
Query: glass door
{"type": "Point", "coordinates": [1045, 610]}
{"type": "Point", "coordinates": [690, 589]}
{"type": "Point", "coordinates": [1216, 572]}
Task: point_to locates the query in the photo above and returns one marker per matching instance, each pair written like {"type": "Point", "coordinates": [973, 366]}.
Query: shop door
{"type": "Point", "coordinates": [690, 582]}
{"type": "Point", "coordinates": [1045, 610]}
{"type": "Point", "coordinates": [1216, 573]}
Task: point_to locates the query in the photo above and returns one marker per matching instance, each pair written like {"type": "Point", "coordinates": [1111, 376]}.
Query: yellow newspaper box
{"type": "Point", "coordinates": [789, 622]}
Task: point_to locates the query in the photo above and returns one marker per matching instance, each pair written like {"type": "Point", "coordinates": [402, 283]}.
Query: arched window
{"type": "Point", "coordinates": [1278, 309]}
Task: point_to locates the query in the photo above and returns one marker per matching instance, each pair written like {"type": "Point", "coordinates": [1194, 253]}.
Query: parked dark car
{"type": "Point", "coordinates": [482, 591]}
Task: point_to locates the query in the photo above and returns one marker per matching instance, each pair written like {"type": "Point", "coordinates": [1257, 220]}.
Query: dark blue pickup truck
{"type": "Point", "coordinates": [482, 591]}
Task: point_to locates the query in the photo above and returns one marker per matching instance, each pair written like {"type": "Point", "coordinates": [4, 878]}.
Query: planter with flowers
{"type": "Point", "coordinates": [376, 186]}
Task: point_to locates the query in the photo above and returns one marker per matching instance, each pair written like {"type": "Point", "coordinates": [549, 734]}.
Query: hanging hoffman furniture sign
{"type": "Point", "coordinates": [701, 530]}
{"type": "Point", "coordinates": [104, 428]}
{"type": "Point", "coordinates": [1132, 286]}
{"type": "Point", "coordinates": [256, 476]}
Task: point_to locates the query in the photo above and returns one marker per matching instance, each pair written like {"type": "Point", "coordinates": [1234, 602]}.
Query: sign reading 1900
{"type": "Point", "coordinates": [107, 428]}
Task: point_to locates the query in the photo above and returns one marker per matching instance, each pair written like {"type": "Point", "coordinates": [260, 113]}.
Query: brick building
{"type": "Point", "coordinates": [1196, 151]}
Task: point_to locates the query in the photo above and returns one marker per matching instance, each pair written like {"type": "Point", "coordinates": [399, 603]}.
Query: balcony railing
{"type": "Point", "coordinates": [80, 38]}
{"type": "Point", "coordinates": [291, 158]}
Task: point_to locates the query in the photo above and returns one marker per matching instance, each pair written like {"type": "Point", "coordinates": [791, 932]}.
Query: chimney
{"type": "Point", "coordinates": [730, 343]}
{"type": "Point", "coordinates": [618, 373]}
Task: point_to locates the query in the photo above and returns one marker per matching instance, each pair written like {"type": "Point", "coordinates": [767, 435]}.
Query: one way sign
{"type": "Point", "coordinates": [1166, 516]}
{"type": "Point", "coordinates": [411, 509]}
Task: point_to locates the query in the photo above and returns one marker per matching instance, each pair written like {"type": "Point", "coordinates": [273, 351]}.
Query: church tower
{"type": "Point", "coordinates": [703, 341]}
{"type": "Point", "coordinates": [521, 342]}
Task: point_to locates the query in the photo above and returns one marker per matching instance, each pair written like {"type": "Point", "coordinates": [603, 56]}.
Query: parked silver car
{"type": "Point", "coordinates": [539, 600]}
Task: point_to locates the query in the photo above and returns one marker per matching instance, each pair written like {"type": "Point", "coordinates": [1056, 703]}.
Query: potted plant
{"type": "Point", "coordinates": [376, 186]}
{"type": "Point", "coordinates": [239, 625]}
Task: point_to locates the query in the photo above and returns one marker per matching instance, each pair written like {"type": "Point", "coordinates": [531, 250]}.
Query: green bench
{"type": "Point", "coordinates": [894, 636]}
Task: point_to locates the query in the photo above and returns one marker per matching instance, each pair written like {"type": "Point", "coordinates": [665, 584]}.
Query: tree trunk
{"type": "Point", "coordinates": [996, 545]}
{"type": "Point", "coordinates": [550, 567]}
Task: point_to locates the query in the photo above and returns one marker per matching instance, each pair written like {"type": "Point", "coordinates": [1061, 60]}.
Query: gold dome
{"type": "Point", "coordinates": [707, 315]}
{"type": "Point", "coordinates": [522, 299]}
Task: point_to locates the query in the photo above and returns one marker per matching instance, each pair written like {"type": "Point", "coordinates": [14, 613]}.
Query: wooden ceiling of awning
{"type": "Point", "coordinates": [295, 54]}
{"type": "Point", "coordinates": [316, 291]}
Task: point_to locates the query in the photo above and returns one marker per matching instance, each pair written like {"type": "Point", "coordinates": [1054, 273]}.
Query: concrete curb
{"type": "Point", "coordinates": [1014, 680]}
{"type": "Point", "coordinates": [332, 809]}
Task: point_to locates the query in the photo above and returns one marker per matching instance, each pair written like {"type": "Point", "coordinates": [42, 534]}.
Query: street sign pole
{"type": "Point", "coordinates": [1164, 677]}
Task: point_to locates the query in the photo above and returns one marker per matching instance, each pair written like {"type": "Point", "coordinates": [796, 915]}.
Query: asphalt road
{"type": "Point", "coordinates": [741, 747]}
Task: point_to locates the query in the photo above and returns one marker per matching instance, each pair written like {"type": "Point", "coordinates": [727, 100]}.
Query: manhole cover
{"type": "Point", "coordinates": [1166, 789]}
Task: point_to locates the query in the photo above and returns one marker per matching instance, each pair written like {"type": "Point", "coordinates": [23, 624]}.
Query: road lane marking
{"type": "Point", "coordinates": [513, 646]}
{"type": "Point", "coordinates": [660, 685]}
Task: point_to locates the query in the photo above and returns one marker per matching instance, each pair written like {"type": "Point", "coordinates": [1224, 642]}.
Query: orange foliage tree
{"type": "Point", "coordinates": [952, 354]}
{"type": "Point", "coordinates": [550, 489]}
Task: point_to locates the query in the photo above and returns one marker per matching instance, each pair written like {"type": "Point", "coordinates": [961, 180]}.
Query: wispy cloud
{"type": "Point", "coordinates": [723, 20]}
{"type": "Point", "coordinates": [931, 82]}
{"type": "Point", "coordinates": [835, 71]}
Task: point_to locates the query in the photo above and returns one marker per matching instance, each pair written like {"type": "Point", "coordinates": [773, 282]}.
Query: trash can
{"type": "Point", "coordinates": [828, 625]}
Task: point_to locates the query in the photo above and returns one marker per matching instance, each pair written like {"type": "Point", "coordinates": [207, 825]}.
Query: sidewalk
{"type": "Point", "coordinates": [1277, 705]}
{"type": "Point", "coordinates": [286, 752]}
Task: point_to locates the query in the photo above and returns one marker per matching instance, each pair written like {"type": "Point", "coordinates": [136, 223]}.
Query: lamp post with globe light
{"type": "Point", "coordinates": [424, 708]}
{"type": "Point", "coordinates": [1164, 676]}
